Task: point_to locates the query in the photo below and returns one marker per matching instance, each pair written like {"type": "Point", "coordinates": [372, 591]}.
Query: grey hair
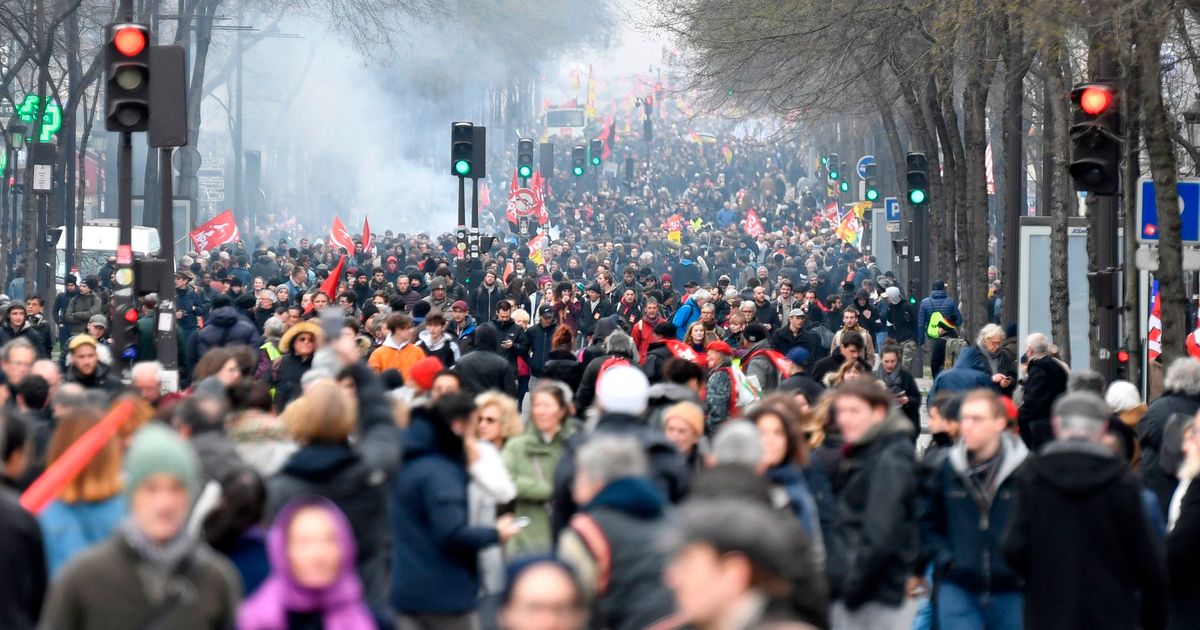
{"type": "Point", "coordinates": [1038, 343]}
{"type": "Point", "coordinates": [1086, 381]}
{"type": "Point", "coordinates": [987, 332]}
{"type": "Point", "coordinates": [1183, 376]}
{"type": "Point", "coordinates": [701, 295]}
{"type": "Point", "coordinates": [738, 442]}
{"type": "Point", "coordinates": [604, 459]}
{"type": "Point", "coordinates": [150, 367]}
{"type": "Point", "coordinates": [620, 343]}
{"type": "Point", "coordinates": [1079, 426]}
{"type": "Point", "coordinates": [273, 328]}
{"type": "Point", "coordinates": [740, 525]}
{"type": "Point", "coordinates": [19, 342]}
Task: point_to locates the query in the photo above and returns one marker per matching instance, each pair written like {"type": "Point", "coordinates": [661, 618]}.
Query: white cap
{"type": "Point", "coordinates": [622, 389]}
{"type": "Point", "coordinates": [893, 295]}
{"type": "Point", "coordinates": [1122, 396]}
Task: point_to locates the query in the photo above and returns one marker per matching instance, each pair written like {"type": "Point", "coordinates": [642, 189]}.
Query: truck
{"type": "Point", "coordinates": [98, 242]}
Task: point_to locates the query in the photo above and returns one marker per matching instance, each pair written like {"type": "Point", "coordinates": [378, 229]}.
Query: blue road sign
{"type": "Point", "coordinates": [891, 208]}
{"type": "Point", "coordinates": [1189, 210]}
{"type": "Point", "coordinates": [862, 165]}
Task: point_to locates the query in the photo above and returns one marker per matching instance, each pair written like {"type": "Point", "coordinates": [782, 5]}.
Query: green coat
{"type": "Point", "coordinates": [531, 462]}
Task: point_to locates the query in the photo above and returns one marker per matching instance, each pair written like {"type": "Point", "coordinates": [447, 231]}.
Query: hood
{"type": "Point", "coordinates": [634, 496]}
{"type": "Point", "coordinates": [224, 316]}
{"type": "Point", "coordinates": [423, 437]}
{"type": "Point", "coordinates": [604, 327]}
{"type": "Point", "coordinates": [429, 341]}
{"type": "Point", "coordinates": [1012, 449]}
{"type": "Point", "coordinates": [319, 462]}
{"type": "Point", "coordinates": [485, 338]}
{"type": "Point", "coordinates": [972, 359]}
{"type": "Point", "coordinates": [1076, 467]}
{"type": "Point", "coordinates": [938, 294]}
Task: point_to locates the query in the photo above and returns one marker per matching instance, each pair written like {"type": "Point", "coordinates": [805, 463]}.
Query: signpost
{"type": "Point", "coordinates": [862, 165]}
{"type": "Point", "coordinates": [1189, 211]}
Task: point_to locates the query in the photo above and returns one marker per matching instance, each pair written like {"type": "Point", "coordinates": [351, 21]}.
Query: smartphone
{"type": "Point", "coordinates": [521, 521]}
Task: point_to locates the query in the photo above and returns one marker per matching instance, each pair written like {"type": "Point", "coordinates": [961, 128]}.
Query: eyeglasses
{"type": "Point", "coordinates": [489, 419]}
{"type": "Point", "coordinates": [306, 339]}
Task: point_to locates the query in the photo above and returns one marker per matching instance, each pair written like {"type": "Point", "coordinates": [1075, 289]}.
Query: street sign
{"type": "Point", "coordinates": [51, 118]}
{"type": "Point", "coordinates": [1189, 210]}
{"type": "Point", "coordinates": [42, 177]}
{"type": "Point", "coordinates": [862, 164]}
{"type": "Point", "coordinates": [891, 206]}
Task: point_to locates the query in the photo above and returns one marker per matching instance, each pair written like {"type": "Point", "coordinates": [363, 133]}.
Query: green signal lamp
{"type": "Point", "coordinates": [844, 186]}
{"type": "Point", "coordinates": [917, 196]}
{"type": "Point", "coordinates": [824, 160]}
{"type": "Point", "coordinates": [525, 171]}
{"type": "Point", "coordinates": [578, 170]}
{"type": "Point", "coordinates": [912, 299]}
{"type": "Point", "coordinates": [595, 160]}
{"type": "Point", "coordinates": [833, 174]}
{"type": "Point", "coordinates": [462, 167]}
{"type": "Point", "coordinates": [872, 194]}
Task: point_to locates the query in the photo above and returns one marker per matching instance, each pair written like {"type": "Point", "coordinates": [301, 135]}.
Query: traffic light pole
{"type": "Point", "coordinates": [122, 287]}
{"type": "Point", "coordinates": [1108, 333]}
{"type": "Point", "coordinates": [165, 340]}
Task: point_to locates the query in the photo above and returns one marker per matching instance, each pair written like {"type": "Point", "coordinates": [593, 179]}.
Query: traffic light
{"type": "Point", "coordinates": [824, 160]}
{"type": "Point", "coordinates": [629, 170]}
{"type": "Point", "coordinates": [124, 329]}
{"type": "Point", "coordinates": [1096, 137]}
{"type": "Point", "coordinates": [872, 188]}
{"type": "Point", "coordinates": [918, 179]}
{"type": "Point", "coordinates": [595, 148]}
{"type": "Point", "coordinates": [648, 130]}
{"type": "Point", "coordinates": [127, 77]}
{"type": "Point", "coordinates": [547, 160]}
{"type": "Point", "coordinates": [844, 186]}
{"type": "Point", "coordinates": [832, 162]}
{"type": "Point", "coordinates": [1122, 371]}
{"type": "Point", "coordinates": [468, 150]}
{"type": "Point", "coordinates": [525, 158]}
{"type": "Point", "coordinates": [578, 161]}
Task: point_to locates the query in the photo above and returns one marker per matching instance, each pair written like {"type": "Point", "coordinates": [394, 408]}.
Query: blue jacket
{"type": "Point", "coordinates": [939, 302]}
{"type": "Point", "coordinates": [70, 528]}
{"type": "Point", "coordinates": [434, 553]}
{"type": "Point", "coordinates": [687, 315]}
{"type": "Point", "coordinates": [962, 529]}
{"type": "Point", "coordinates": [965, 376]}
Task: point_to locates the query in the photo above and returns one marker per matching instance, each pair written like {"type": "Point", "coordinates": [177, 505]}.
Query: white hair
{"type": "Point", "coordinates": [604, 459]}
{"type": "Point", "coordinates": [151, 368]}
{"type": "Point", "coordinates": [1183, 376]}
{"type": "Point", "coordinates": [701, 296]}
{"type": "Point", "coordinates": [1038, 343]}
{"type": "Point", "coordinates": [987, 332]}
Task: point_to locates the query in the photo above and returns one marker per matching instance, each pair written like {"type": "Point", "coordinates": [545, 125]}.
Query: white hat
{"type": "Point", "coordinates": [1122, 396]}
{"type": "Point", "coordinates": [893, 295]}
{"type": "Point", "coordinates": [622, 389]}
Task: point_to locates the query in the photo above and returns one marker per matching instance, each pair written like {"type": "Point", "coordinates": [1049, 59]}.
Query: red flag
{"type": "Point", "coordinates": [485, 195]}
{"type": "Point", "coordinates": [674, 223]}
{"type": "Point", "coordinates": [543, 215]}
{"type": "Point", "coordinates": [340, 237]}
{"type": "Point", "coordinates": [330, 285]}
{"type": "Point", "coordinates": [368, 241]}
{"type": "Point", "coordinates": [219, 230]}
{"type": "Point", "coordinates": [1154, 327]}
{"type": "Point", "coordinates": [683, 351]}
{"type": "Point", "coordinates": [608, 137]}
{"type": "Point", "coordinates": [510, 213]}
{"type": "Point", "coordinates": [754, 227]}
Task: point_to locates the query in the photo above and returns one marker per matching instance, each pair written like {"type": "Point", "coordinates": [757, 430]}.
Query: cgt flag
{"type": "Point", "coordinates": [754, 227]}
{"type": "Point", "coordinates": [219, 230]}
{"type": "Point", "coordinates": [340, 237]}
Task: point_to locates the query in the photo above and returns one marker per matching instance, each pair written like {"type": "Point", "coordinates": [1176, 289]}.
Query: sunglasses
{"type": "Point", "coordinates": [306, 339]}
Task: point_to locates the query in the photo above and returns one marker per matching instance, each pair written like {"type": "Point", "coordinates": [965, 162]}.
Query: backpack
{"type": "Point", "coordinates": [610, 362]}
{"type": "Point", "coordinates": [938, 326]}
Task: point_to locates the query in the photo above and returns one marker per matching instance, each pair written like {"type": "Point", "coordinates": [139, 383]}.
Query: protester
{"type": "Point", "coordinates": [299, 345]}
{"type": "Point", "coordinates": [1045, 381]}
{"type": "Point", "coordinates": [531, 459]}
{"type": "Point", "coordinates": [235, 527]}
{"type": "Point", "coordinates": [140, 574]}
{"type": "Point", "coordinates": [1166, 417]}
{"type": "Point", "coordinates": [541, 594]}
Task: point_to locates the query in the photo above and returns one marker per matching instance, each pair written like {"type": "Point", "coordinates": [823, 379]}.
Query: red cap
{"type": "Point", "coordinates": [719, 346]}
{"type": "Point", "coordinates": [424, 371]}
{"type": "Point", "coordinates": [459, 305]}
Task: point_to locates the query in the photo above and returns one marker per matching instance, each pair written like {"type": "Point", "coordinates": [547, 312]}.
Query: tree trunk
{"type": "Point", "coordinates": [1157, 126]}
{"type": "Point", "coordinates": [1057, 145]}
{"type": "Point", "coordinates": [1016, 66]}
{"type": "Point", "coordinates": [1132, 170]}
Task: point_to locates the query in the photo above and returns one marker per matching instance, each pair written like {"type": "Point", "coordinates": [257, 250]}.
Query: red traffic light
{"type": "Point", "coordinates": [131, 315]}
{"type": "Point", "coordinates": [130, 41]}
{"type": "Point", "coordinates": [1122, 356]}
{"type": "Point", "coordinates": [1095, 100]}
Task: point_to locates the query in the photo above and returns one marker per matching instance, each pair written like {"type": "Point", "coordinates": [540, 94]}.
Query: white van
{"type": "Point", "coordinates": [99, 241]}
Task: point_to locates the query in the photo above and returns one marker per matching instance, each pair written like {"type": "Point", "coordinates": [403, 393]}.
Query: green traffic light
{"type": "Point", "coordinates": [916, 196]}
{"type": "Point", "coordinates": [845, 186]}
{"type": "Point", "coordinates": [824, 161]}
{"type": "Point", "coordinates": [833, 174]}
{"type": "Point", "coordinates": [578, 171]}
{"type": "Point", "coordinates": [462, 167]}
{"type": "Point", "coordinates": [525, 171]}
{"type": "Point", "coordinates": [912, 300]}
{"type": "Point", "coordinates": [872, 194]}
{"type": "Point", "coordinates": [595, 161]}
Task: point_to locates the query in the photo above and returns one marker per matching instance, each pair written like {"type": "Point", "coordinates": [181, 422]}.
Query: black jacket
{"type": "Point", "coordinates": [225, 328]}
{"type": "Point", "coordinates": [537, 346]}
{"type": "Point", "coordinates": [783, 340]}
{"type": "Point", "coordinates": [40, 344]}
{"type": "Point", "coordinates": [484, 368]}
{"type": "Point", "coordinates": [1183, 563]}
{"type": "Point", "coordinates": [962, 524]}
{"type": "Point", "coordinates": [287, 374]}
{"type": "Point", "coordinates": [1080, 539]}
{"type": "Point", "coordinates": [23, 572]}
{"type": "Point", "coordinates": [564, 366]}
{"type": "Point", "coordinates": [1045, 381]}
{"type": "Point", "coordinates": [1150, 432]}
{"type": "Point", "coordinates": [668, 469]}
{"type": "Point", "coordinates": [874, 545]}
{"type": "Point", "coordinates": [590, 314]}
{"type": "Point", "coordinates": [484, 301]}
{"type": "Point", "coordinates": [585, 395]}
{"type": "Point", "coordinates": [100, 379]}
{"type": "Point", "coordinates": [657, 354]}
{"type": "Point", "coordinates": [355, 478]}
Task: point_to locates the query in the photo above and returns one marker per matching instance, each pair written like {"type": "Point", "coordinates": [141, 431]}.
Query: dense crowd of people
{"type": "Point", "coordinates": [625, 429]}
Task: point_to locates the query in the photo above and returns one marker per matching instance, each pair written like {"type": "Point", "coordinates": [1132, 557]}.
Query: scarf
{"type": "Point", "coordinates": [993, 359]}
{"type": "Point", "coordinates": [164, 557]}
{"type": "Point", "coordinates": [890, 381]}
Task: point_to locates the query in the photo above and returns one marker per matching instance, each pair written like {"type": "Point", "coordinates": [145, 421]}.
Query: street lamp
{"type": "Point", "coordinates": [100, 145]}
{"type": "Point", "coordinates": [15, 136]}
{"type": "Point", "coordinates": [1191, 120]}
{"type": "Point", "coordinates": [16, 133]}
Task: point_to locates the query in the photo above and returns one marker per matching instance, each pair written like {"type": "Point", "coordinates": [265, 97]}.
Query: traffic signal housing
{"type": "Point", "coordinates": [595, 149]}
{"type": "Point", "coordinates": [127, 77]}
{"type": "Point", "coordinates": [833, 163]}
{"type": "Point", "coordinates": [468, 150]}
{"type": "Point", "coordinates": [871, 193]}
{"type": "Point", "coordinates": [525, 158]}
{"type": "Point", "coordinates": [578, 161]}
{"type": "Point", "coordinates": [918, 178]}
{"type": "Point", "coordinates": [1096, 137]}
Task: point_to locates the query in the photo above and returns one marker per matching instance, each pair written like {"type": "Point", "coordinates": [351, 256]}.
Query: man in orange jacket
{"type": "Point", "coordinates": [397, 351]}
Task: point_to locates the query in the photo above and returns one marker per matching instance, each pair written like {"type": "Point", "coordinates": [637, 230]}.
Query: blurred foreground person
{"type": "Point", "coordinates": [542, 594]}
{"type": "Point", "coordinates": [313, 582]}
{"type": "Point", "coordinates": [150, 573]}
{"type": "Point", "coordinates": [23, 571]}
{"type": "Point", "coordinates": [737, 564]}
{"type": "Point", "coordinates": [1079, 536]}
